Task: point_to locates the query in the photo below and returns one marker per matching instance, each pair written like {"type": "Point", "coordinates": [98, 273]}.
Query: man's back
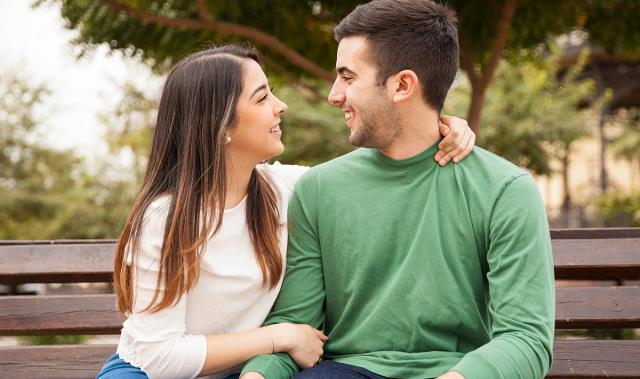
{"type": "Point", "coordinates": [413, 268]}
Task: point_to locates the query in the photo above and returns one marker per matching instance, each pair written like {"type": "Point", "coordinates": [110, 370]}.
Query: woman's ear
{"type": "Point", "coordinates": [404, 85]}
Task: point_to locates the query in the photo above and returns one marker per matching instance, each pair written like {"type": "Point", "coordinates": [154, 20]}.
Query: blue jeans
{"type": "Point", "coordinates": [335, 370]}
{"type": "Point", "coordinates": [116, 368]}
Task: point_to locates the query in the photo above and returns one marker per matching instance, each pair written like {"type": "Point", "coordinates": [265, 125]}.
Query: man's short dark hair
{"type": "Point", "coordinates": [418, 35]}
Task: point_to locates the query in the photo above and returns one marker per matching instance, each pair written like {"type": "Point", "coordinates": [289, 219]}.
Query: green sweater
{"type": "Point", "coordinates": [413, 269]}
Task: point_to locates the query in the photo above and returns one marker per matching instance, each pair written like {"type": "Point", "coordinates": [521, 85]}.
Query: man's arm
{"type": "Point", "coordinates": [521, 289]}
{"type": "Point", "coordinates": [301, 299]}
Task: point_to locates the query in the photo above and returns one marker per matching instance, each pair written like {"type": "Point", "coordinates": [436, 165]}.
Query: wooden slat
{"type": "Point", "coordinates": [579, 307]}
{"type": "Point", "coordinates": [595, 233]}
{"type": "Point", "coordinates": [615, 258]}
{"type": "Point", "coordinates": [53, 242]}
{"type": "Point", "coordinates": [62, 262]}
{"type": "Point", "coordinates": [59, 263]}
{"type": "Point", "coordinates": [66, 314]}
{"type": "Point", "coordinates": [48, 362]}
{"type": "Point", "coordinates": [572, 359]}
{"type": "Point", "coordinates": [597, 307]}
{"type": "Point", "coordinates": [596, 359]}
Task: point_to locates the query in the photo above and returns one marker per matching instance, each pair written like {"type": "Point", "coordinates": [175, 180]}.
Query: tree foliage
{"type": "Point", "coordinates": [296, 36]}
{"type": "Point", "coordinates": [48, 193]}
{"type": "Point", "coordinates": [627, 142]}
{"type": "Point", "coordinates": [531, 117]}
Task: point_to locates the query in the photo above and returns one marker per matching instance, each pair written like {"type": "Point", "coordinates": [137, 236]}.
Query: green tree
{"type": "Point", "coordinates": [296, 36]}
{"type": "Point", "coordinates": [130, 126]}
{"type": "Point", "coordinates": [627, 143]}
{"type": "Point", "coordinates": [532, 117]}
{"type": "Point", "coordinates": [47, 193]}
{"type": "Point", "coordinates": [493, 30]}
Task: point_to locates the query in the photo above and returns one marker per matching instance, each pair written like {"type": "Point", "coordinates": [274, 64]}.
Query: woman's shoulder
{"type": "Point", "coordinates": [283, 174]}
{"type": "Point", "coordinates": [158, 207]}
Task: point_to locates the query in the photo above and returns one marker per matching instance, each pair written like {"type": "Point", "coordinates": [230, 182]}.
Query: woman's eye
{"type": "Point", "coordinates": [263, 98]}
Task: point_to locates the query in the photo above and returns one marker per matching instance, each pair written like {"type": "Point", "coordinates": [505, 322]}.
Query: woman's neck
{"type": "Point", "coordinates": [238, 176]}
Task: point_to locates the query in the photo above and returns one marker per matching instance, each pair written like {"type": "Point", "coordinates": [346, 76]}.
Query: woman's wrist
{"type": "Point", "coordinates": [280, 338]}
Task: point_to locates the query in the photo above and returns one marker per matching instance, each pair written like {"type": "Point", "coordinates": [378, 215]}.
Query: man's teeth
{"type": "Point", "coordinates": [348, 115]}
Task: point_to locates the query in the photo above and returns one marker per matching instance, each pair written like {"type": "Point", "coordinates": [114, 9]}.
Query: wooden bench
{"type": "Point", "coordinates": [611, 255]}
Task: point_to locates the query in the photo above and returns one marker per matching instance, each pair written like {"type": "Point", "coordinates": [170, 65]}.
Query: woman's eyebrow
{"type": "Point", "coordinates": [260, 88]}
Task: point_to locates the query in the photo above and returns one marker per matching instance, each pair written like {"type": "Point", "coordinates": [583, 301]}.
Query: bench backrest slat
{"type": "Point", "coordinates": [595, 359]}
{"type": "Point", "coordinates": [574, 258]}
{"type": "Point", "coordinates": [56, 263]}
{"type": "Point", "coordinates": [595, 233]}
{"type": "Point", "coordinates": [63, 314]}
{"type": "Point", "coordinates": [40, 362]}
{"type": "Point", "coordinates": [572, 359]}
{"type": "Point", "coordinates": [615, 258]}
{"type": "Point", "coordinates": [580, 307]}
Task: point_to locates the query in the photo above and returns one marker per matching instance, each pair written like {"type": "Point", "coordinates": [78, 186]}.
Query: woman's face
{"type": "Point", "coordinates": [256, 133]}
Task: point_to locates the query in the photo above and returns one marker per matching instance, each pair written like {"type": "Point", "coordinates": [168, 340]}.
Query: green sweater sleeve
{"type": "Point", "coordinates": [301, 298]}
{"type": "Point", "coordinates": [521, 289]}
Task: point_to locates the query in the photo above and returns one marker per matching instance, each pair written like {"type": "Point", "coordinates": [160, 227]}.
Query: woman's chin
{"type": "Point", "coordinates": [275, 151]}
{"type": "Point", "coordinates": [278, 149]}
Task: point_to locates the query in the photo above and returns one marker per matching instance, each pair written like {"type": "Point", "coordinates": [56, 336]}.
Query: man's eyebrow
{"type": "Point", "coordinates": [264, 86]}
{"type": "Point", "coordinates": [345, 70]}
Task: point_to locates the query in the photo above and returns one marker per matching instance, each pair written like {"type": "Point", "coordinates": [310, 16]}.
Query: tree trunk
{"type": "Point", "coordinates": [566, 202]}
{"type": "Point", "coordinates": [475, 108]}
{"type": "Point", "coordinates": [603, 141]}
{"type": "Point", "coordinates": [481, 74]}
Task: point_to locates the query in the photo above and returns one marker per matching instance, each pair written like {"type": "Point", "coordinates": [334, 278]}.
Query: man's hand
{"type": "Point", "coordinates": [458, 140]}
{"type": "Point", "coordinates": [252, 375]}
{"type": "Point", "coordinates": [447, 375]}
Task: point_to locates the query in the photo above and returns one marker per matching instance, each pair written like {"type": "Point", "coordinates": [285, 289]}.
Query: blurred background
{"type": "Point", "coordinates": [552, 86]}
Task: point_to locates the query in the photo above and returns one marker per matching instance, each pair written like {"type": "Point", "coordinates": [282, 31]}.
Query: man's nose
{"type": "Point", "coordinates": [336, 95]}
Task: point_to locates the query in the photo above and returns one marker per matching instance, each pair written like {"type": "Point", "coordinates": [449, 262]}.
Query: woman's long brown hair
{"type": "Point", "coordinates": [187, 162]}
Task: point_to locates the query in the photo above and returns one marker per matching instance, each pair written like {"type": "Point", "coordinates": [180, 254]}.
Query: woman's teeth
{"type": "Point", "coordinates": [275, 129]}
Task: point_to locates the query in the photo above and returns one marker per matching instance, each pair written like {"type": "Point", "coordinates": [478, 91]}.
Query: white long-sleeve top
{"type": "Point", "coordinates": [227, 298]}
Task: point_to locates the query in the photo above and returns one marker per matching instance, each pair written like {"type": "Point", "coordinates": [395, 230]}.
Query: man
{"type": "Point", "coordinates": [413, 270]}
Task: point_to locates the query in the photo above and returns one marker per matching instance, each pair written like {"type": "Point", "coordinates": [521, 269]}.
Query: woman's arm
{"type": "Point", "coordinates": [157, 342]}
{"type": "Point", "coordinates": [302, 342]}
{"type": "Point", "coordinates": [458, 140]}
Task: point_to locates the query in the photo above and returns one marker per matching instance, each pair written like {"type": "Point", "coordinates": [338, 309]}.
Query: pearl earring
{"type": "Point", "coordinates": [227, 139]}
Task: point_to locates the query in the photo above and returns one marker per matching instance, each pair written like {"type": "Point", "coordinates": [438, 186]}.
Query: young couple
{"type": "Point", "coordinates": [398, 265]}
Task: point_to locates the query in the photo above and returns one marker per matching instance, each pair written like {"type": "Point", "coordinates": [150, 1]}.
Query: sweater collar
{"type": "Point", "coordinates": [426, 154]}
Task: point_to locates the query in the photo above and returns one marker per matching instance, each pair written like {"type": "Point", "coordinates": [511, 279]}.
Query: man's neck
{"type": "Point", "coordinates": [418, 134]}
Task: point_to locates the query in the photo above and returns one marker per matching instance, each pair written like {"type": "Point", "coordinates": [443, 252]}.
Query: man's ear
{"type": "Point", "coordinates": [404, 85]}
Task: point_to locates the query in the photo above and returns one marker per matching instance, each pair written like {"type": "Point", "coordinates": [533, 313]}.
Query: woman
{"type": "Point", "coordinates": [201, 257]}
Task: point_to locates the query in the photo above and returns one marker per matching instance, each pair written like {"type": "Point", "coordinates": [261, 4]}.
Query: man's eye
{"type": "Point", "coordinates": [346, 78]}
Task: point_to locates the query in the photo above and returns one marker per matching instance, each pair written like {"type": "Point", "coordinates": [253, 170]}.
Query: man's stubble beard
{"type": "Point", "coordinates": [378, 126]}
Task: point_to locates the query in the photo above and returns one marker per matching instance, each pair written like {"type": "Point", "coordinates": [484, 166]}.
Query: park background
{"type": "Point", "coordinates": [553, 86]}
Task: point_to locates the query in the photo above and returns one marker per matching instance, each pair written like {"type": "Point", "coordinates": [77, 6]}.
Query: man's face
{"type": "Point", "coordinates": [367, 106]}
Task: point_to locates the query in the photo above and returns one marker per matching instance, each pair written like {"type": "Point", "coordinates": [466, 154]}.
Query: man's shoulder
{"type": "Point", "coordinates": [486, 175]}
{"type": "Point", "coordinates": [337, 166]}
{"type": "Point", "coordinates": [327, 174]}
{"type": "Point", "coordinates": [492, 166]}
{"type": "Point", "coordinates": [486, 170]}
